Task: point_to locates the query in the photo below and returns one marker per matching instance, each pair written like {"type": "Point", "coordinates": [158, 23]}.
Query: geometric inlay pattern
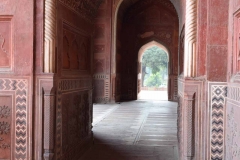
{"type": "Point", "coordinates": [218, 100]}
{"type": "Point", "coordinates": [74, 84]}
{"type": "Point", "coordinates": [20, 88]}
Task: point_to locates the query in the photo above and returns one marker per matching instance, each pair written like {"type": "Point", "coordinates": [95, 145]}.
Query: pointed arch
{"type": "Point", "coordinates": [150, 45]}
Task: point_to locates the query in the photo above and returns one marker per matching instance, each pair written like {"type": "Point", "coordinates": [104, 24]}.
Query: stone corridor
{"type": "Point", "coordinates": [135, 130]}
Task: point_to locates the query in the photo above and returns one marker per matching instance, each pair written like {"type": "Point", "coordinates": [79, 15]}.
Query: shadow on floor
{"type": "Point", "coordinates": [103, 151]}
{"type": "Point", "coordinates": [135, 130]}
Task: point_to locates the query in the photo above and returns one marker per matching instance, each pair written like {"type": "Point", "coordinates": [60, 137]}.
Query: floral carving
{"type": "Point", "coordinates": [5, 146]}
{"type": "Point", "coordinates": [4, 128]}
{"type": "Point", "coordinates": [4, 111]}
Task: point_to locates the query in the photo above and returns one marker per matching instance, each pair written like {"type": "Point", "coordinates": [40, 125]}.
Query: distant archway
{"type": "Point", "coordinates": [149, 45]}
{"type": "Point", "coordinates": [161, 91]}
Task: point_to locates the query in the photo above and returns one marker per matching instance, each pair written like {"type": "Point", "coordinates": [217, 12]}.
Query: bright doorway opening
{"type": "Point", "coordinates": [153, 76]}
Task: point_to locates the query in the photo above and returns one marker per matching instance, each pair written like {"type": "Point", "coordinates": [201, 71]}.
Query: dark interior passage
{"type": "Point", "coordinates": [138, 25]}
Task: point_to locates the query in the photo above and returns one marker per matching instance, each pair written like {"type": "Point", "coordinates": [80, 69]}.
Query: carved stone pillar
{"type": "Point", "coordinates": [189, 126]}
{"type": "Point", "coordinates": [48, 124]}
{"type": "Point", "coordinates": [49, 36]}
{"type": "Point", "coordinates": [190, 39]}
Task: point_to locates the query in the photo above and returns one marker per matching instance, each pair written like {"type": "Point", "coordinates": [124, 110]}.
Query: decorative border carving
{"type": "Point", "coordinates": [106, 95]}
{"type": "Point", "coordinates": [190, 126]}
{"type": "Point", "coordinates": [180, 124]}
{"type": "Point", "coordinates": [85, 8]}
{"type": "Point", "coordinates": [175, 89]}
{"type": "Point", "coordinates": [59, 126]}
{"type": "Point", "coordinates": [107, 88]}
{"type": "Point", "coordinates": [74, 84]}
{"type": "Point", "coordinates": [19, 86]}
{"type": "Point", "coordinates": [217, 95]}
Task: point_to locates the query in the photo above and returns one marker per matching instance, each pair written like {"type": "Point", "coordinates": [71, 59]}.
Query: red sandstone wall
{"type": "Point", "coordinates": [217, 40]}
{"type": "Point", "coordinates": [63, 99]}
{"type": "Point", "coordinates": [16, 66]}
{"type": "Point", "coordinates": [74, 79]}
{"type": "Point", "coordinates": [102, 53]}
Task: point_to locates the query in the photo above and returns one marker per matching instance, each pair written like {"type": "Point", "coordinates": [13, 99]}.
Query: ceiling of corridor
{"type": "Point", "coordinates": [178, 4]}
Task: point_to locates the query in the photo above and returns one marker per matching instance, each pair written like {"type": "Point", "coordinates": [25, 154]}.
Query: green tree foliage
{"type": "Point", "coordinates": [157, 60]}
{"type": "Point", "coordinates": [154, 80]}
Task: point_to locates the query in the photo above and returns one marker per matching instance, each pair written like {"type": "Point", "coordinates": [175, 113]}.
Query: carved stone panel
{"type": "Point", "coordinates": [74, 117]}
{"type": "Point", "coordinates": [76, 53]}
{"type": "Point", "coordinates": [14, 134]}
{"type": "Point", "coordinates": [76, 125]}
{"type": "Point", "coordinates": [5, 127]}
{"type": "Point", "coordinates": [5, 42]}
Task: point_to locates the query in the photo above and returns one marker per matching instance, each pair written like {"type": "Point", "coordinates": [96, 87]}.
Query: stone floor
{"type": "Point", "coordinates": [136, 130]}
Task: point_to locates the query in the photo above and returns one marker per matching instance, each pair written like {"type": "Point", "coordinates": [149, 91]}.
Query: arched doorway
{"type": "Point", "coordinates": [136, 26]}
{"type": "Point", "coordinates": [153, 67]}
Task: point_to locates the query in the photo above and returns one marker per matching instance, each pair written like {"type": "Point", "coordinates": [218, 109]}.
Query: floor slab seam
{"type": "Point", "coordinates": [141, 127]}
{"type": "Point", "coordinates": [105, 115]}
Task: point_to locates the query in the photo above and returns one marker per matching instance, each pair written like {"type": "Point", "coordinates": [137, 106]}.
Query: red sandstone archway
{"type": "Point", "coordinates": [136, 26]}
